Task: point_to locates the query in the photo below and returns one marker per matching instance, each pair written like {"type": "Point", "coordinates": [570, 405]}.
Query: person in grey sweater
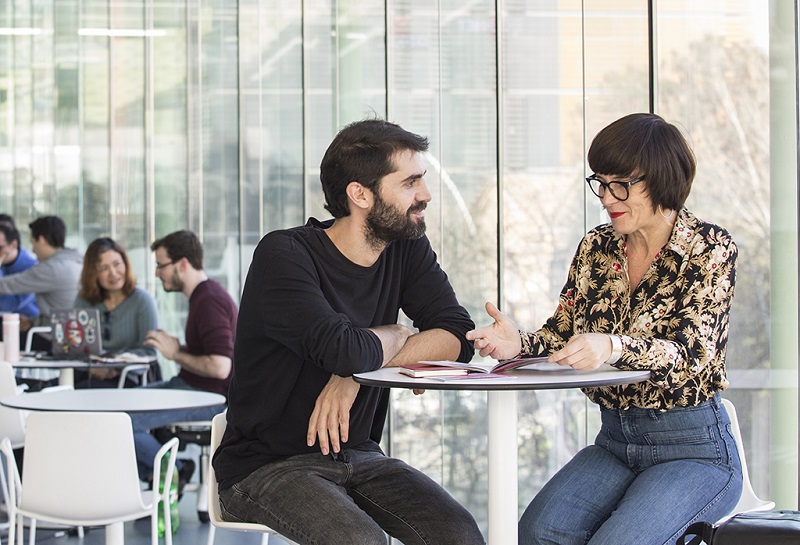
{"type": "Point", "coordinates": [54, 279]}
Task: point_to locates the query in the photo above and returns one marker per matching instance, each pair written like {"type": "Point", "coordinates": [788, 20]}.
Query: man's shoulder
{"type": "Point", "coordinates": [212, 290]}
{"type": "Point", "coordinates": [290, 237]}
{"type": "Point", "coordinates": [66, 255]}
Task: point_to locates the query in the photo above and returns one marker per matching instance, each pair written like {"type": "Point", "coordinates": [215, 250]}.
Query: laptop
{"type": "Point", "coordinates": [76, 333]}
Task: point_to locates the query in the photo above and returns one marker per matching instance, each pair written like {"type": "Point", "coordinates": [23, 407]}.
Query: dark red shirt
{"type": "Point", "coordinates": [210, 329]}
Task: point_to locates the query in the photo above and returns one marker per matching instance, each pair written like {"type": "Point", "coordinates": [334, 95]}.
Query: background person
{"type": "Point", "coordinates": [54, 279]}
{"type": "Point", "coordinates": [127, 313]}
{"type": "Point", "coordinates": [15, 259]}
{"type": "Point", "coordinates": [320, 303]}
{"type": "Point", "coordinates": [204, 359]}
{"type": "Point", "coordinates": [650, 290]}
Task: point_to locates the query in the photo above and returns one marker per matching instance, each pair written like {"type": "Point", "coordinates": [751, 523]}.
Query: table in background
{"type": "Point", "coordinates": [66, 368]}
{"type": "Point", "coordinates": [502, 422]}
{"type": "Point", "coordinates": [128, 400]}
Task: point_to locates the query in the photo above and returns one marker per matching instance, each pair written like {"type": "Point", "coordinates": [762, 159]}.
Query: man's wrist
{"type": "Point", "coordinates": [616, 349]}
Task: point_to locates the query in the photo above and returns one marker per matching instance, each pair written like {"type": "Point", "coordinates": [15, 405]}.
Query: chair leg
{"type": "Point", "coordinates": [211, 531]}
{"type": "Point", "coordinates": [202, 488]}
{"type": "Point", "coordinates": [32, 537]}
{"type": "Point", "coordinates": [265, 538]}
{"type": "Point", "coordinates": [115, 533]}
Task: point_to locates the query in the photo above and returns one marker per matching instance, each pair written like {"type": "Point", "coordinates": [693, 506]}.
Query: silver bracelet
{"type": "Point", "coordinates": [616, 349]}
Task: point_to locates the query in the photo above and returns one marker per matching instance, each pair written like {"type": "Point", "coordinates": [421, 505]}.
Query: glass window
{"type": "Point", "coordinates": [139, 118]}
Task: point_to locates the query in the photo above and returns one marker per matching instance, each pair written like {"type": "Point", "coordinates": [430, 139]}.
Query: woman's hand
{"type": "Point", "coordinates": [585, 351]}
{"type": "Point", "coordinates": [499, 340]}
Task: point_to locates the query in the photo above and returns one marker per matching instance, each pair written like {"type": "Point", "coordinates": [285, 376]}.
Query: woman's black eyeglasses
{"type": "Point", "coordinates": [619, 190]}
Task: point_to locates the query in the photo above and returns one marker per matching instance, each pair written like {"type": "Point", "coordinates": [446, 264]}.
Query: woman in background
{"type": "Point", "coordinates": [651, 290]}
{"type": "Point", "coordinates": [127, 313]}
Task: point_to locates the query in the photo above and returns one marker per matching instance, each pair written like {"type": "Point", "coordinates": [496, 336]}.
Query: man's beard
{"type": "Point", "coordinates": [385, 224]}
{"type": "Point", "coordinates": [175, 283]}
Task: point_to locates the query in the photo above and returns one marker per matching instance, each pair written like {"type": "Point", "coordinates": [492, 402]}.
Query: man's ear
{"type": "Point", "coordinates": [180, 264]}
{"type": "Point", "coordinates": [360, 196]}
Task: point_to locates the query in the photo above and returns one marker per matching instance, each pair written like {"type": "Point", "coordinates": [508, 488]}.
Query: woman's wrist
{"type": "Point", "coordinates": [616, 349]}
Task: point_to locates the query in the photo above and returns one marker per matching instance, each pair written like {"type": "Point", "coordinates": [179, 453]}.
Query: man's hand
{"type": "Point", "coordinates": [330, 420]}
{"type": "Point", "coordinates": [25, 323]}
{"type": "Point", "coordinates": [500, 340]}
{"type": "Point", "coordinates": [168, 345]}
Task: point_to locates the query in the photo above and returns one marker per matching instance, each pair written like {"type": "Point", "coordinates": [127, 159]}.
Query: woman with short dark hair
{"type": "Point", "coordinates": [650, 290]}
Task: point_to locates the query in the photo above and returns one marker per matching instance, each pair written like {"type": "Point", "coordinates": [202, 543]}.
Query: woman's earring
{"type": "Point", "coordinates": [665, 216]}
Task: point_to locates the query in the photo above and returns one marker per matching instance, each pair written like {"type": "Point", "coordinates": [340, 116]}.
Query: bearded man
{"type": "Point", "coordinates": [321, 302]}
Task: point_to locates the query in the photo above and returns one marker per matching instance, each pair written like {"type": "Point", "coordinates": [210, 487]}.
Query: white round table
{"type": "Point", "coordinates": [126, 400]}
{"type": "Point", "coordinates": [502, 425]}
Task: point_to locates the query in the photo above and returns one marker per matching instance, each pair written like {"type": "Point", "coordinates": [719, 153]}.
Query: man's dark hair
{"type": "Point", "coordinates": [52, 228]}
{"type": "Point", "coordinates": [363, 152]}
{"type": "Point", "coordinates": [5, 218]}
{"type": "Point", "coordinates": [182, 244]}
{"type": "Point", "coordinates": [9, 231]}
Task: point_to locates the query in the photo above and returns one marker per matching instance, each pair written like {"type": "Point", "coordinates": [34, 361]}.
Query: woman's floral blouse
{"type": "Point", "coordinates": [675, 323]}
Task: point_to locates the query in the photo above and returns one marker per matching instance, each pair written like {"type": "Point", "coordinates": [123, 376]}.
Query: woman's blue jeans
{"type": "Point", "coordinates": [352, 497]}
{"type": "Point", "coordinates": [647, 477]}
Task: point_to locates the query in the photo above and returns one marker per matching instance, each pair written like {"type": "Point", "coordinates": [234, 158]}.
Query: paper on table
{"type": "Point", "coordinates": [421, 370]}
{"type": "Point", "coordinates": [474, 376]}
{"type": "Point", "coordinates": [491, 367]}
{"type": "Point", "coordinates": [122, 357]}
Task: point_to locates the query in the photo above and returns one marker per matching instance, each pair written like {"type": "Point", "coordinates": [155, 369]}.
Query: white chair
{"type": "Point", "coordinates": [43, 375]}
{"type": "Point", "coordinates": [12, 421]}
{"type": "Point", "coordinates": [140, 369]}
{"type": "Point", "coordinates": [215, 516]}
{"type": "Point", "coordinates": [748, 500]}
{"type": "Point", "coordinates": [12, 427]}
{"type": "Point", "coordinates": [31, 332]}
{"type": "Point", "coordinates": [9, 479]}
{"type": "Point", "coordinates": [12, 430]}
{"type": "Point", "coordinates": [80, 469]}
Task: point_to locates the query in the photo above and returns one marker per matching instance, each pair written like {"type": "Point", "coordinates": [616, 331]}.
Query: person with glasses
{"type": "Point", "coordinates": [650, 290]}
{"type": "Point", "coordinates": [127, 312]}
{"type": "Point", "coordinates": [203, 358]}
{"type": "Point", "coordinates": [54, 279]}
{"type": "Point", "coordinates": [15, 259]}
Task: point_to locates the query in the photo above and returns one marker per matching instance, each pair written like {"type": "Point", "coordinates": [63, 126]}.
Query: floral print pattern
{"type": "Point", "coordinates": [675, 323]}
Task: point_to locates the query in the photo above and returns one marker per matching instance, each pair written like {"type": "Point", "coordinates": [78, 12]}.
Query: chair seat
{"type": "Point", "coordinates": [217, 430]}
{"type": "Point", "coordinates": [87, 521]}
{"type": "Point", "coordinates": [748, 501]}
